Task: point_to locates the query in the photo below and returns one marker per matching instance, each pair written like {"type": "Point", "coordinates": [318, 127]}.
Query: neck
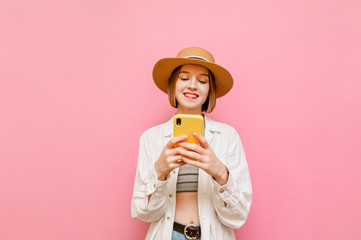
{"type": "Point", "coordinates": [181, 110]}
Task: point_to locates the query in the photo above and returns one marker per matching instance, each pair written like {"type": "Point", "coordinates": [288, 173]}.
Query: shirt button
{"type": "Point", "coordinates": [221, 191]}
{"type": "Point", "coordinates": [170, 195]}
{"type": "Point", "coordinates": [173, 171]}
{"type": "Point", "coordinates": [168, 218]}
{"type": "Point", "coordinates": [154, 185]}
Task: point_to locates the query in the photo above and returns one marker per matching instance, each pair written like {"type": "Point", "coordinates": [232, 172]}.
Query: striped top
{"type": "Point", "coordinates": [187, 179]}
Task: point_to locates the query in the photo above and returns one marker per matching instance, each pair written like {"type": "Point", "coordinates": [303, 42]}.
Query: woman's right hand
{"type": "Point", "coordinates": [169, 159]}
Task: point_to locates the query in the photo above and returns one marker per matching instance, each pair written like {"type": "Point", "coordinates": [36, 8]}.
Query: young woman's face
{"type": "Point", "coordinates": [192, 88]}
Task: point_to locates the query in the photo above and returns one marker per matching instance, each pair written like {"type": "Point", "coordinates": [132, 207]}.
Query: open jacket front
{"type": "Point", "coordinates": [221, 208]}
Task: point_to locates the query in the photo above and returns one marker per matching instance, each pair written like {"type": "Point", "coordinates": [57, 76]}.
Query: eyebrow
{"type": "Point", "coordinates": [203, 74]}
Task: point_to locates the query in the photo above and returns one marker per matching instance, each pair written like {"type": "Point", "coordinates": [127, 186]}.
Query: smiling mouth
{"type": "Point", "coordinates": [190, 95]}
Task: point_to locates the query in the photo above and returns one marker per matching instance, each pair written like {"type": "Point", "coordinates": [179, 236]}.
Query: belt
{"type": "Point", "coordinates": [190, 231]}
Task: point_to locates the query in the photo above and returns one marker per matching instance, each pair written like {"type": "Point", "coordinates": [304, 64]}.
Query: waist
{"type": "Point", "coordinates": [187, 208]}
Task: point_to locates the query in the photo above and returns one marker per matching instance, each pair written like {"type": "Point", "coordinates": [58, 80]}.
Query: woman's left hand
{"type": "Point", "coordinates": [205, 159]}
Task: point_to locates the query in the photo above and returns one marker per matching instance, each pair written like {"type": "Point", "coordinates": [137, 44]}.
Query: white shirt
{"type": "Point", "coordinates": [217, 219]}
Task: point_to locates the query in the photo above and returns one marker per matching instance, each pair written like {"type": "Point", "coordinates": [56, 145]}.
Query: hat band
{"type": "Point", "coordinates": [198, 58]}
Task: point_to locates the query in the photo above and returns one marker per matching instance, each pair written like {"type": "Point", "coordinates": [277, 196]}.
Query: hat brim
{"type": "Point", "coordinates": [164, 68]}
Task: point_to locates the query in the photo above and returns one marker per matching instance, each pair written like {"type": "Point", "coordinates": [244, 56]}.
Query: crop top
{"type": "Point", "coordinates": [187, 179]}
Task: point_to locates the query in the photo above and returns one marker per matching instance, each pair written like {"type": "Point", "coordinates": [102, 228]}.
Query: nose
{"type": "Point", "coordinates": [192, 83]}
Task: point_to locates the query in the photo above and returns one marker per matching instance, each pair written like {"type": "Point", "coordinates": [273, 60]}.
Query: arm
{"type": "Point", "coordinates": [144, 207]}
{"type": "Point", "coordinates": [149, 200]}
{"type": "Point", "coordinates": [232, 201]}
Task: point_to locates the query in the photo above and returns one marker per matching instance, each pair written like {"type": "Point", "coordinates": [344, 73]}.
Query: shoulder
{"type": "Point", "coordinates": [221, 127]}
{"type": "Point", "coordinates": [226, 127]}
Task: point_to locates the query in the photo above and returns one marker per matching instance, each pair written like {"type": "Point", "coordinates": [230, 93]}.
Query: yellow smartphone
{"type": "Point", "coordinates": [187, 124]}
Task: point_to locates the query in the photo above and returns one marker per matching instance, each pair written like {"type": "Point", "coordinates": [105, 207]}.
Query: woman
{"type": "Point", "coordinates": [187, 199]}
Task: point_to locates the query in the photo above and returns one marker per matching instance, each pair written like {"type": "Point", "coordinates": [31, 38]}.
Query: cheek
{"type": "Point", "coordinates": [178, 89]}
{"type": "Point", "coordinates": [178, 86]}
{"type": "Point", "coordinates": [206, 90]}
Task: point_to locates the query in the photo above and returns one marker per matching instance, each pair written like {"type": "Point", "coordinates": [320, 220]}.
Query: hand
{"type": "Point", "coordinates": [170, 158]}
{"type": "Point", "coordinates": [205, 158]}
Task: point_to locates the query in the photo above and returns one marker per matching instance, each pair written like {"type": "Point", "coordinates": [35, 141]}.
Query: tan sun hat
{"type": "Point", "coordinates": [192, 55]}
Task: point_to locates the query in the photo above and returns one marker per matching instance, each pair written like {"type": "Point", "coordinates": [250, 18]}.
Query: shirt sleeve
{"type": "Point", "coordinates": [147, 184]}
{"type": "Point", "coordinates": [232, 201]}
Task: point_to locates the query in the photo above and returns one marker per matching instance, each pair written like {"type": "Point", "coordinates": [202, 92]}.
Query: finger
{"type": "Point", "coordinates": [179, 164]}
{"type": "Point", "coordinates": [175, 159]}
{"type": "Point", "coordinates": [190, 154]}
{"type": "Point", "coordinates": [176, 140]}
{"type": "Point", "coordinates": [174, 151]}
{"type": "Point", "coordinates": [193, 147]}
{"type": "Point", "coordinates": [202, 140]}
{"type": "Point", "coordinates": [193, 163]}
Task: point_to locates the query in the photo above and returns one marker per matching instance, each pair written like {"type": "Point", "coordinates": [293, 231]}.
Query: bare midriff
{"type": "Point", "coordinates": [186, 209]}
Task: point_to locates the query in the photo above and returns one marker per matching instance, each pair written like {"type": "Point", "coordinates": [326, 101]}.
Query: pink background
{"type": "Point", "coordinates": [76, 93]}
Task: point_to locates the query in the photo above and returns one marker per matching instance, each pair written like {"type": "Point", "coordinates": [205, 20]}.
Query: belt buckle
{"type": "Point", "coordinates": [190, 226]}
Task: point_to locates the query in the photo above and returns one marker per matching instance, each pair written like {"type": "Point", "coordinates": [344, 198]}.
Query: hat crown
{"type": "Point", "coordinates": [196, 53]}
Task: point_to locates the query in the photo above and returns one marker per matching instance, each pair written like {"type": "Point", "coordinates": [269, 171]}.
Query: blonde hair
{"type": "Point", "coordinates": [210, 102]}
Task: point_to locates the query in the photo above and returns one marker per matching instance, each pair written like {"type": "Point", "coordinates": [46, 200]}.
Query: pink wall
{"type": "Point", "coordinates": [76, 93]}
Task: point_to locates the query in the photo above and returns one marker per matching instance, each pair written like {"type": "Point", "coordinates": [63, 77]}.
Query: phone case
{"type": "Point", "coordinates": [187, 125]}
